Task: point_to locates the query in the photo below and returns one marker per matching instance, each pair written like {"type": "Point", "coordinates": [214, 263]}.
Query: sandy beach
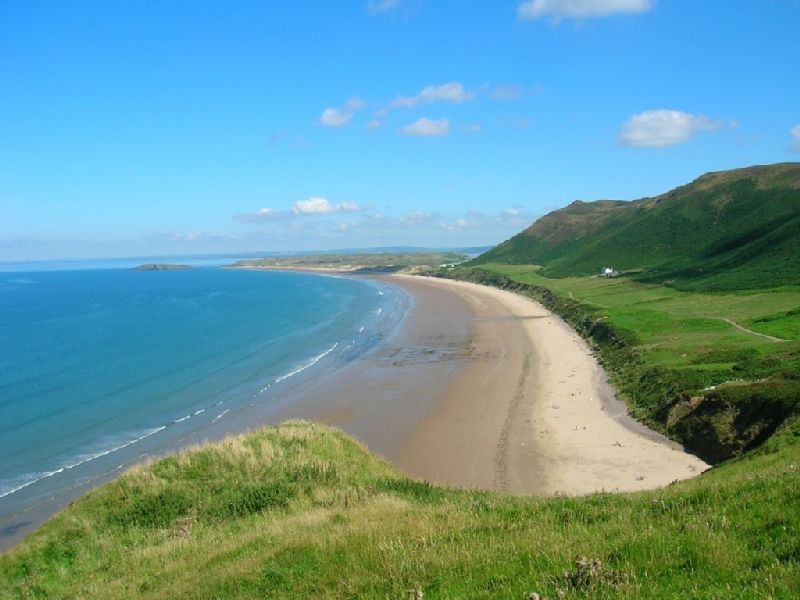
{"type": "Point", "coordinates": [475, 388]}
{"type": "Point", "coordinates": [482, 388]}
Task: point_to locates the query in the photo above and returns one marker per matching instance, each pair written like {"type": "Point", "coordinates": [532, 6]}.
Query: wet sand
{"type": "Point", "coordinates": [482, 388]}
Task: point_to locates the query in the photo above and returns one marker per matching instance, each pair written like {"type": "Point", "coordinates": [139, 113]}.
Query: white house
{"type": "Point", "coordinates": [610, 272]}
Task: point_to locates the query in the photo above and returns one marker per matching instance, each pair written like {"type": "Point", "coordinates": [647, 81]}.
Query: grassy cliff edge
{"type": "Point", "coordinates": [300, 510]}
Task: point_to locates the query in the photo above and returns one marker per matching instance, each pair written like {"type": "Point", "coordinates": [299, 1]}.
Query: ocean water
{"type": "Point", "coordinates": [101, 368]}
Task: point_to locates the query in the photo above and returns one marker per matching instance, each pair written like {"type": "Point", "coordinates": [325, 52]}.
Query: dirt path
{"type": "Point", "coordinates": [751, 332]}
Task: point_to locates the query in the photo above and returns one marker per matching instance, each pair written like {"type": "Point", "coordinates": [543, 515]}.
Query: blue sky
{"type": "Point", "coordinates": [139, 128]}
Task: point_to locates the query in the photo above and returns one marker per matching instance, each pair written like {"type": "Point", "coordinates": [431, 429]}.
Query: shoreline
{"type": "Point", "coordinates": [494, 393]}
{"type": "Point", "coordinates": [235, 411]}
{"type": "Point", "coordinates": [475, 396]}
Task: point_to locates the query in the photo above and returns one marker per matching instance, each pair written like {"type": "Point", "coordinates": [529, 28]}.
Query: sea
{"type": "Point", "coordinates": [102, 366]}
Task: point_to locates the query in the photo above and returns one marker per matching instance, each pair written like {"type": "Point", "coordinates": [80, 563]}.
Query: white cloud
{"type": "Point", "coordinates": [511, 219]}
{"type": "Point", "coordinates": [348, 207]}
{"type": "Point", "coordinates": [471, 128]}
{"type": "Point", "coordinates": [427, 127]}
{"type": "Point", "coordinates": [339, 117]}
{"type": "Point", "coordinates": [505, 92]}
{"type": "Point", "coordinates": [497, 225]}
{"type": "Point", "coordinates": [375, 7]}
{"type": "Point", "coordinates": [374, 124]}
{"type": "Point", "coordinates": [794, 146]}
{"type": "Point", "coordinates": [354, 103]}
{"type": "Point", "coordinates": [560, 9]}
{"type": "Point", "coordinates": [447, 92]}
{"type": "Point", "coordinates": [311, 206]}
{"type": "Point", "coordinates": [659, 128]}
{"type": "Point", "coordinates": [335, 117]}
{"type": "Point", "coordinates": [262, 214]}
{"type": "Point", "coordinates": [322, 206]}
{"type": "Point", "coordinates": [417, 217]}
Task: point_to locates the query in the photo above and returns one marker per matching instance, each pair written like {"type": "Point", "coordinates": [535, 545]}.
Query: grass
{"type": "Point", "coordinates": [302, 511]}
{"type": "Point", "coordinates": [785, 324]}
{"type": "Point", "coordinates": [675, 328]}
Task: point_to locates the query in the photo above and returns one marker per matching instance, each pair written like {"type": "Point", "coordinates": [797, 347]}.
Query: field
{"type": "Point", "coordinates": [302, 511]}
{"type": "Point", "coordinates": [678, 329]}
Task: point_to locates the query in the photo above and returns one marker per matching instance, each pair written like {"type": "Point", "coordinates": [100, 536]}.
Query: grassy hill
{"type": "Point", "coordinates": [302, 511]}
{"type": "Point", "coordinates": [729, 230]}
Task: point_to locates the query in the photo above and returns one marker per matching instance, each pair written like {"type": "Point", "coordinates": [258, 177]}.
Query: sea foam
{"type": "Point", "coordinates": [308, 365]}
{"type": "Point", "coordinates": [31, 478]}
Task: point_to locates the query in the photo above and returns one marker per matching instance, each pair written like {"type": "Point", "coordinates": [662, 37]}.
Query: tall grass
{"type": "Point", "coordinates": [340, 523]}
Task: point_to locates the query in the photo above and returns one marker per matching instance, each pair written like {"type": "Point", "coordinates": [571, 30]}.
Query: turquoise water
{"type": "Point", "coordinates": [99, 368]}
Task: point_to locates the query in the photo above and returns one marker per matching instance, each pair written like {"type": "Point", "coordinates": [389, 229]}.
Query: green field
{"type": "Point", "coordinates": [302, 511]}
{"type": "Point", "coordinates": [682, 329]}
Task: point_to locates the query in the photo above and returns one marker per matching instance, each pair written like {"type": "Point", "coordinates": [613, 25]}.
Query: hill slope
{"type": "Point", "coordinates": [735, 229]}
{"type": "Point", "coordinates": [301, 511]}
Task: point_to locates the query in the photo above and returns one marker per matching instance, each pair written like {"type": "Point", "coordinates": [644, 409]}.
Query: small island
{"type": "Point", "coordinates": [160, 267]}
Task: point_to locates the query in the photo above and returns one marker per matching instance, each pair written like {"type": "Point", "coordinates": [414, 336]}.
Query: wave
{"type": "Point", "coordinates": [222, 414]}
{"type": "Point", "coordinates": [182, 419]}
{"type": "Point", "coordinates": [309, 364]}
{"type": "Point", "coordinates": [82, 459]}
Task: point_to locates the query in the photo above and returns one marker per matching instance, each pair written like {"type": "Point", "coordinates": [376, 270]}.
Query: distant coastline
{"type": "Point", "coordinates": [378, 263]}
{"type": "Point", "coordinates": [161, 267]}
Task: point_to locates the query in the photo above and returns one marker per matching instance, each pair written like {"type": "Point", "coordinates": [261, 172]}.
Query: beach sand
{"type": "Point", "coordinates": [482, 388]}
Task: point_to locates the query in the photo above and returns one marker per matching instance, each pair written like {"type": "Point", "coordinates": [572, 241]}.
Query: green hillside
{"type": "Point", "coordinates": [302, 511]}
{"type": "Point", "coordinates": [729, 230]}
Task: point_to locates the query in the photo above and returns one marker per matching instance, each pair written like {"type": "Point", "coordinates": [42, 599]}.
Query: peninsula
{"type": "Point", "coordinates": [380, 262]}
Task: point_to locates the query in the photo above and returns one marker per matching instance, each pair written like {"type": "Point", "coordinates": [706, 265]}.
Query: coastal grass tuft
{"type": "Point", "coordinates": [300, 511]}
